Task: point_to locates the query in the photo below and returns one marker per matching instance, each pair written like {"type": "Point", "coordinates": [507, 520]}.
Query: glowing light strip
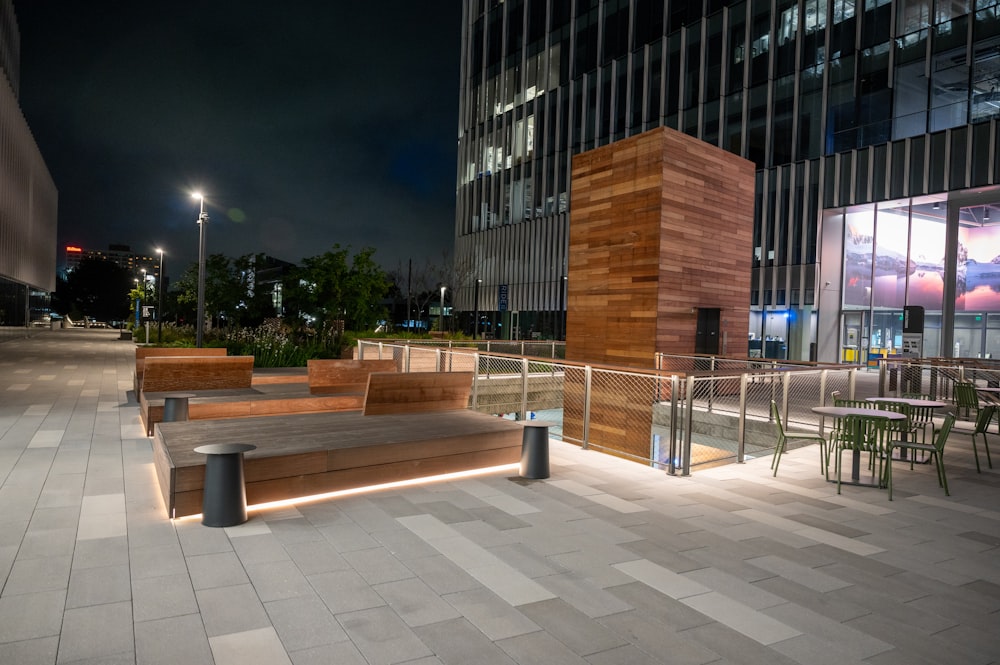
{"type": "Point", "coordinates": [371, 488]}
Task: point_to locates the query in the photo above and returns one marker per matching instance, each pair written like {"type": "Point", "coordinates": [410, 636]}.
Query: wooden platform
{"type": "Point", "coordinates": [247, 403]}
{"type": "Point", "coordinates": [306, 454]}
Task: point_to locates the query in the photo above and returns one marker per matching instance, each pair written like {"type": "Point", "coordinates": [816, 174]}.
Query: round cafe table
{"type": "Point", "coordinates": [843, 412]}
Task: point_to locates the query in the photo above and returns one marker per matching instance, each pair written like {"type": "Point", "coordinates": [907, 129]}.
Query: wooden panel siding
{"type": "Point", "coordinates": [661, 224]}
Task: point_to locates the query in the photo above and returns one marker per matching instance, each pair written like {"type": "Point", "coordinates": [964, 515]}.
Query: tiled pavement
{"type": "Point", "coordinates": [606, 563]}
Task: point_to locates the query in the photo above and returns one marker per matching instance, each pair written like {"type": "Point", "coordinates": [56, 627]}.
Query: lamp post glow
{"type": "Point", "coordinates": [441, 318]}
{"type": "Point", "coordinates": [202, 221]}
{"type": "Point", "coordinates": [159, 300]}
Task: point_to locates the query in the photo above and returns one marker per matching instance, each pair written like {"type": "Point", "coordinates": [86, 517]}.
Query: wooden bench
{"type": "Point", "coordinates": [143, 352]}
{"type": "Point", "coordinates": [344, 375]}
{"type": "Point", "coordinates": [186, 373]}
{"type": "Point", "coordinates": [305, 454]}
{"type": "Point", "coordinates": [277, 397]}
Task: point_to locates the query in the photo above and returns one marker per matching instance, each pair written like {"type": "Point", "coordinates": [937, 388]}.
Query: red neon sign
{"type": "Point", "coordinates": [72, 248]}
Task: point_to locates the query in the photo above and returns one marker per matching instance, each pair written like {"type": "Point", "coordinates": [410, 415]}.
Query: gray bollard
{"type": "Point", "coordinates": [224, 500]}
{"type": "Point", "coordinates": [535, 450]}
{"type": "Point", "coordinates": [175, 407]}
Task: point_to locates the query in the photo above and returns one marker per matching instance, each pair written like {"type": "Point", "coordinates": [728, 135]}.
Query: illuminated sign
{"type": "Point", "coordinates": [71, 248]}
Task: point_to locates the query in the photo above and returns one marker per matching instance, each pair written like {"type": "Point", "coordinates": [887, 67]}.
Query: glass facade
{"type": "Point", "coordinates": [28, 199]}
{"type": "Point", "coordinates": [839, 103]}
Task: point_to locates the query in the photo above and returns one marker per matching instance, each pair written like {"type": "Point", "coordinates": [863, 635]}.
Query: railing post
{"type": "Point", "coordinates": [689, 424]}
{"type": "Point", "coordinates": [852, 382]}
{"type": "Point", "coordinates": [674, 390]}
{"type": "Point", "coordinates": [524, 389]}
{"type": "Point", "coordinates": [741, 431]}
{"type": "Point", "coordinates": [587, 383]}
{"type": "Point", "coordinates": [786, 380]}
{"type": "Point", "coordinates": [475, 381]}
{"type": "Point", "coordinates": [881, 379]}
{"type": "Point", "coordinates": [406, 358]}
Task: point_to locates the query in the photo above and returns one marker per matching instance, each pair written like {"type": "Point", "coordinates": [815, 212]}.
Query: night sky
{"type": "Point", "coordinates": [306, 123]}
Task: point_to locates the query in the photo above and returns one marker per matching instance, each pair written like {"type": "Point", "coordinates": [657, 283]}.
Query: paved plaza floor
{"type": "Point", "coordinates": [607, 562]}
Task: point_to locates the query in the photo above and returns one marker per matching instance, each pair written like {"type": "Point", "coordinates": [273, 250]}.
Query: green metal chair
{"type": "Point", "coordinates": [784, 437]}
{"type": "Point", "coordinates": [966, 399]}
{"type": "Point", "coordinates": [935, 449]}
{"type": "Point", "coordinates": [982, 424]}
{"type": "Point", "coordinates": [869, 435]}
{"type": "Point", "coordinates": [922, 417]}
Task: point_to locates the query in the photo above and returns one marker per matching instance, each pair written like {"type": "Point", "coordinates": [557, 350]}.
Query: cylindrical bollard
{"type": "Point", "coordinates": [535, 450]}
{"type": "Point", "coordinates": [175, 407]}
{"type": "Point", "coordinates": [224, 500]}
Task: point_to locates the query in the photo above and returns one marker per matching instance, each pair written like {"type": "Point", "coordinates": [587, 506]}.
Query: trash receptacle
{"type": "Point", "coordinates": [175, 407]}
{"type": "Point", "coordinates": [224, 500]}
{"type": "Point", "coordinates": [535, 450]}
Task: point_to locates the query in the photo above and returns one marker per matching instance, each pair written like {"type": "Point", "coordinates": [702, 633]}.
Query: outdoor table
{"type": "Point", "coordinates": [910, 401]}
{"type": "Point", "coordinates": [843, 412]}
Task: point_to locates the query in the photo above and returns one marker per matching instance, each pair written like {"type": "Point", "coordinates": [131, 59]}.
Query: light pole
{"type": "Point", "coordinates": [159, 300]}
{"type": "Point", "coordinates": [202, 222]}
{"type": "Point", "coordinates": [475, 325]}
{"type": "Point", "coordinates": [441, 321]}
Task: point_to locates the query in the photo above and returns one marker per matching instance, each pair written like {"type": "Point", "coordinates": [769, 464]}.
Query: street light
{"type": "Point", "coordinates": [202, 222]}
{"type": "Point", "coordinates": [159, 300]}
{"type": "Point", "coordinates": [441, 321]}
{"type": "Point", "coordinates": [475, 326]}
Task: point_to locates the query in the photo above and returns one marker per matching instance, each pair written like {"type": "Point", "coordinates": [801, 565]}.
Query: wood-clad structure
{"type": "Point", "coordinates": [661, 228]}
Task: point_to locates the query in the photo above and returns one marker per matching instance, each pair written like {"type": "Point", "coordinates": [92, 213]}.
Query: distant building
{"type": "Point", "coordinates": [120, 255]}
{"type": "Point", "coordinates": [28, 198]}
{"type": "Point", "coordinates": [874, 127]}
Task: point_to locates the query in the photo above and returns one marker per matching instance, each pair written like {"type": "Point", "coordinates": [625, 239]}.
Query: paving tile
{"type": "Point", "coordinates": [99, 586]}
{"type": "Point", "coordinates": [253, 646]}
{"type": "Point", "coordinates": [232, 609]}
{"type": "Point", "coordinates": [304, 623]}
{"type": "Point", "coordinates": [382, 637]}
{"type": "Point", "coordinates": [259, 548]}
{"type": "Point", "coordinates": [162, 597]}
{"type": "Point", "coordinates": [172, 640]}
{"type": "Point", "coordinates": [342, 653]}
{"type": "Point", "coordinates": [31, 615]}
{"type": "Point", "coordinates": [276, 580]}
{"type": "Point", "coordinates": [37, 574]}
{"type": "Point", "coordinates": [490, 614]}
{"type": "Point", "coordinates": [216, 570]}
{"type": "Point", "coordinates": [415, 602]}
{"type": "Point", "coordinates": [377, 565]}
{"type": "Point", "coordinates": [96, 631]}
{"type": "Point", "coordinates": [41, 651]}
{"type": "Point", "coordinates": [344, 591]}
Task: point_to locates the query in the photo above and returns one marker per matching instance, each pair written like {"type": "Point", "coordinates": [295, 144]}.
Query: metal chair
{"type": "Point", "coordinates": [784, 437]}
{"type": "Point", "coordinates": [982, 424]}
{"type": "Point", "coordinates": [864, 435]}
{"type": "Point", "coordinates": [935, 449]}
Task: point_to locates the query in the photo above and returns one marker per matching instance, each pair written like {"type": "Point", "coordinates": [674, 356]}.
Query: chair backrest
{"type": "Point", "coordinates": [855, 403]}
{"type": "Point", "coordinates": [966, 396]}
{"type": "Point", "coordinates": [983, 419]}
{"type": "Point", "coordinates": [942, 435]}
{"type": "Point", "coordinates": [896, 407]}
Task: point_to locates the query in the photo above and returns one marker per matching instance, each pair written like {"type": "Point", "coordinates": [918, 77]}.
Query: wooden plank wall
{"type": "Point", "coordinates": [661, 224]}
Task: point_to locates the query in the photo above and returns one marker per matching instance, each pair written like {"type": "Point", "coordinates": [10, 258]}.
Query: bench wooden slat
{"type": "Point", "coordinates": [306, 454]}
{"type": "Point", "coordinates": [185, 373]}
{"type": "Point", "coordinates": [143, 352]}
{"type": "Point", "coordinates": [417, 392]}
{"type": "Point", "coordinates": [344, 375]}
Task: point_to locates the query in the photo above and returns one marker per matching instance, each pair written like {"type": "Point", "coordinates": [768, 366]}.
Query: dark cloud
{"type": "Point", "coordinates": [306, 123]}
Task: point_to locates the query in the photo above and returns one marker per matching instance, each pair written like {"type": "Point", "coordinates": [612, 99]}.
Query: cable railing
{"type": "Point", "coordinates": [670, 419]}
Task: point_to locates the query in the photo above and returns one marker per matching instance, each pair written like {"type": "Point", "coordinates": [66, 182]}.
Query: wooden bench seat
{"type": "Point", "coordinates": [311, 453]}
{"type": "Point", "coordinates": [268, 376]}
{"type": "Point", "coordinates": [186, 373]}
{"type": "Point", "coordinates": [247, 403]}
{"type": "Point", "coordinates": [344, 375]}
{"type": "Point", "coordinates": [143, 352]}
{"type": "Point", "coordinates": [413, 425]}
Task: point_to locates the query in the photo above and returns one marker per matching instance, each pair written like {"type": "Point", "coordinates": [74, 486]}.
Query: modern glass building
{"type": "Point", "coordinates": [28, 198]}
{"type": "Point", "coordinates": [873, 125]}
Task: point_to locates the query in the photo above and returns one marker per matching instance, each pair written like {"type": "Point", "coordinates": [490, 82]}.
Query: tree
{"type": "Point", "coordinates": [224, 288]}
{"type": "Point", "coordinates": [335, 295]}
{"type": "Point", "coordinates": [421, 284]}
{"type": "Point", "coordinates": [96, 288]}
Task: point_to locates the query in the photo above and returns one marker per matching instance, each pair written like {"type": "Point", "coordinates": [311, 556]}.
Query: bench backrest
{"type": "Point", "coordinates": [344, 375]}
{"type": "Point", "coordinates": [168, 374]}
{"type": "Point", "coordinates": [417, 392]}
